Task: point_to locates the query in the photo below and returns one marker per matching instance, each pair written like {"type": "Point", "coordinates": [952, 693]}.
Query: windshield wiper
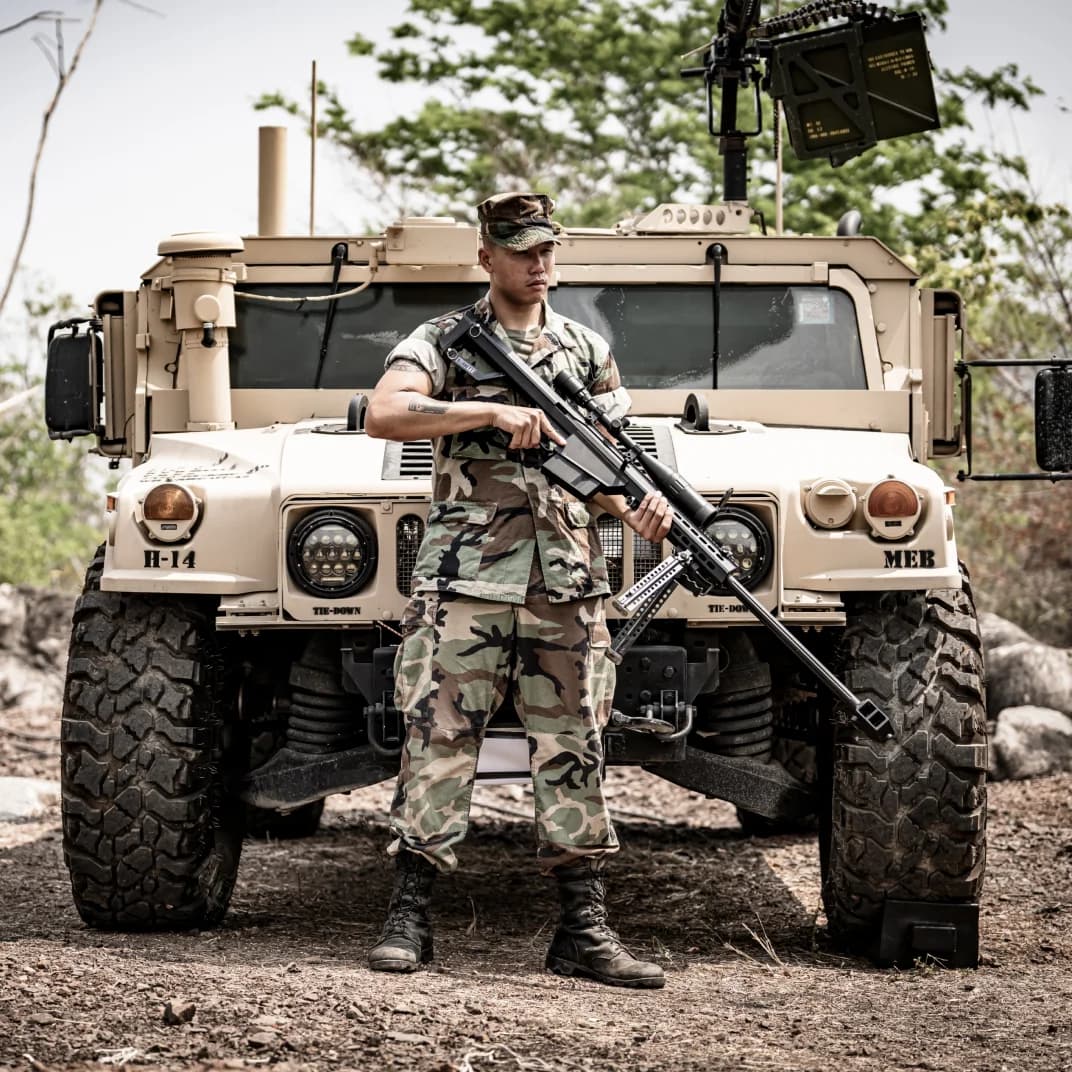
{"type": "Point", "coordinates": [716, 253]}
{"type": "Point", "coordinates": [339, 253]}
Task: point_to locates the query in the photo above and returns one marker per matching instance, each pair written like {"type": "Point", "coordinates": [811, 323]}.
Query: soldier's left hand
{"type": "Point", "coordinates": [652, 518]}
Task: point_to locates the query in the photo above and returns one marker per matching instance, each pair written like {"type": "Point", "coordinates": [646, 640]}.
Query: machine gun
{"type": "Point", "coordinates": [844, 87]}
{"type": "Point", "coordinates": [589, 463]}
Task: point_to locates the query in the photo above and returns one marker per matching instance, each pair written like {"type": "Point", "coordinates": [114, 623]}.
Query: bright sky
{"type": "Point", "coordinates": [156, 132]}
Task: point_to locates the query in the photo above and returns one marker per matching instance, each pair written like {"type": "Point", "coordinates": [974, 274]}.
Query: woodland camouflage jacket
{"type": "Point", "coordinates": [490, 512]}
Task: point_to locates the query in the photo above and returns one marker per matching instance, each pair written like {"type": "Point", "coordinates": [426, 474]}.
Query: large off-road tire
{"type": "Point", "coordinates": [907, 817]}
{"type": "Point", "coordinates": [151, 836]}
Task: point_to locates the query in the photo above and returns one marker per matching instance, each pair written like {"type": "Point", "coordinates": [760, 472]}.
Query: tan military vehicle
{"type": "Point", "coordinates": [231, 660]}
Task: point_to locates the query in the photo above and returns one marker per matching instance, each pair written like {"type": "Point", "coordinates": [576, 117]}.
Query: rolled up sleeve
{"type": "Point", "coordinates": [420, 349]}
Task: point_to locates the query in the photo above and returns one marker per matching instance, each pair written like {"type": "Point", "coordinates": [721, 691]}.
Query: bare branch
{"type": "Point", "coordinates": [59, 46]}
{"type": "Point", "coordinates": [46, 118]}
{"type": "Point", "coordinates": [43, 44]}
{"type": "Point", "coordinates": [34, 18]}
{"type": "Point", "coordinates": [16, 401]}
{"type": "Point", "coordinates": [144, 7]}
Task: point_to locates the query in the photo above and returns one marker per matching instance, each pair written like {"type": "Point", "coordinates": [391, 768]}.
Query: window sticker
{"type": "Point", "coordinates": [815, 308]}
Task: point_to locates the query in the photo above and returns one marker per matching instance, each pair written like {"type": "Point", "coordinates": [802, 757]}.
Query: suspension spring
{"type": "Point", "coordinates": [738, 720]}
{"type": "Point", "coordinates": [322, 717]}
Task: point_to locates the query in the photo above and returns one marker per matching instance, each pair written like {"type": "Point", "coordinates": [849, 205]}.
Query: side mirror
{"type": "Point", "coordinates": [73, 380]}
{"type": "Point", "coordinates": [1053, 419]}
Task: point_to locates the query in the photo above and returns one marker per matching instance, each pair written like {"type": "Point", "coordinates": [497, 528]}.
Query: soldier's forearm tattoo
{"type": "Point", "coordinates": [416, 406]}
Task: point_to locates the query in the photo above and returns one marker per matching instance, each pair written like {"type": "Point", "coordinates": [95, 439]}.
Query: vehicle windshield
{"type": "Point", "coordinates": [769, 336]}
{"type": "Point", "coordinates": [662, 335]}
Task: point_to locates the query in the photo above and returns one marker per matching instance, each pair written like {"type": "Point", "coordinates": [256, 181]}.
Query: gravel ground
{"type": "Point", "coordinates": [751, 981]}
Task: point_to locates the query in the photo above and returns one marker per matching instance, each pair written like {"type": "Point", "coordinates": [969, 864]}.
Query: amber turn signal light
{"type": "Point", "coordinates": [892, 498]}
{"type": "Point", "coordinates": [169, 502]}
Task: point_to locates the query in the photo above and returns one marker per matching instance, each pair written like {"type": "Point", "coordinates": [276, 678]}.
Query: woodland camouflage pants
{"type": "Point", "coordinates": [457, 659]}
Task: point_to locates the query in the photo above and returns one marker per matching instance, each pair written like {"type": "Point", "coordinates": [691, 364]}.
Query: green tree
{"type": "Point", "coordinates": [47, 502]}
{"type": "Point", "coordinates": [1018, 535]}
{"type": "Point", "coordinates": [585, 97]}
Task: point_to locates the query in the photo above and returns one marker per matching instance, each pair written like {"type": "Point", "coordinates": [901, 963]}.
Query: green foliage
{"type": "Point", "coordinates": [1017, 537]}
{"type": "Point", "coordinates": [585, 98]}
{"type": "Point", "coordinates": [46, 502]}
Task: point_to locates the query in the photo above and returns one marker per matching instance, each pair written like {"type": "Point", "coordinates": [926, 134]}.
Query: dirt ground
{"type": "Point", "coordinates": [751, 980]}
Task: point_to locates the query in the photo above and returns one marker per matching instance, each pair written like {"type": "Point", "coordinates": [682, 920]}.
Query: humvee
{"type": "Point", "coordinates": [232, 653]}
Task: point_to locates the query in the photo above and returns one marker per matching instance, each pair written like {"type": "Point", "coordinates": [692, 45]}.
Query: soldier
{"type": "Point", "coordinates": [508, 592]}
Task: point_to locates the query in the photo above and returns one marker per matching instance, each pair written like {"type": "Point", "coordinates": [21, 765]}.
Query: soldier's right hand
{"type": "Point", "coordinates": [525, 427]}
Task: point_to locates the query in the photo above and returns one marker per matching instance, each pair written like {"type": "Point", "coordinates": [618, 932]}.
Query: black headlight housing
{"type": "Point", "coordinates": [331, 553]}
{"type": "Point", "coordinates": [743, 536]}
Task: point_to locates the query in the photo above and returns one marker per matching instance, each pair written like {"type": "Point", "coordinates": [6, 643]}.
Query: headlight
{"type": "Point", "coordinates": [169, 512]}
{"type": "Point", "coordinates": [331, 553]}
{"type": "Point", "coordinates": [744, 538]}
{"type": "Point", "coordinates": [892, 509]}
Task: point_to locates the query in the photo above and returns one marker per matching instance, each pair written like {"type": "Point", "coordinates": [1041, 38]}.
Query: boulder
{"type": "Point", "coordinates": [24, 685]}
{"type": "Point", "coordinates": [1029, 673]}
{"type": "Point", "coordinates": [34, 627]}
{"type": "Point", "coordinates": [1029, 742]}
{"type": "Point", "coordinates": [997, 631]}
{"type": "Point", "coordinates": [47, 626]}
{"type": "Point", "coordinates": [12, 617]}
{"type": "Point", "coordinates": [26, 798]}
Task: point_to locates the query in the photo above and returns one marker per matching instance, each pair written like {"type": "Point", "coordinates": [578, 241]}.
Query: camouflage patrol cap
{"type": "Point", "coordinates": [518, 221]}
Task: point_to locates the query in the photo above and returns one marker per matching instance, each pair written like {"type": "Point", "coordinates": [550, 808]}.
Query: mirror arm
{"type": "Point", "coordinates": [963, 371]}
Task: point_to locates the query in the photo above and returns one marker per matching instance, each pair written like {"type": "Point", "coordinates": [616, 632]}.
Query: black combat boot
{"type": "Point", "coordinates": [406, 941]}
{"type": "Point", "coordinates": [584, 944]}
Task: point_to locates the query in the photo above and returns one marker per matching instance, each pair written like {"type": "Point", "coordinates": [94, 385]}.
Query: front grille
{"type": "Point", "coordinates": [408, 461]}
{"type": "Point", "coordinates": [644, 437]}
{"type": "Point", "coordinates": [408, 535]}
{"type": "Point", "coordinates": [413, 461]}
{"type": "Point", "coordinates": [610, 536]}
{"type": "Point", "coordinates": [646, 556]}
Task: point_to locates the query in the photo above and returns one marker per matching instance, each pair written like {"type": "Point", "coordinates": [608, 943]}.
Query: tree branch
{"type": "Point", "coordinates": [64, 79]}
{"type": "Point", "coordinates": [31, 18]}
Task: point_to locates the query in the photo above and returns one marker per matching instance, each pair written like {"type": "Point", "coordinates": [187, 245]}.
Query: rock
{"type": "Point", "coordinates": [997, 631]}
{"type": "Point", "coordinates": [47, 625]}
{"type": "Point", "coordinates": [24, 685]}
{"type": "Point", "coordinates": [35, 625]}
{"type": "Point", "coordinates": [1029, 742]}
{"type": "Point", "coordinates": [12, 617]}
{"type": "Point", "coordinates": [1029, 673]}
{"type": "Point", "coordinates": [179, 1012]}
{"type": "Point", "coordinates": [263, 1039]}
{"type": "Point", "coordinates": [26, 798]}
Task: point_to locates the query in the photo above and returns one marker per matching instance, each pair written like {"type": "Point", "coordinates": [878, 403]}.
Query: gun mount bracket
{"type": "Point", "coordinates": [696, 419]}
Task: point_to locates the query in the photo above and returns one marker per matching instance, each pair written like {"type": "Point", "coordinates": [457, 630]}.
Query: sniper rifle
{"type": "Point", "coordinates": [589, 463]}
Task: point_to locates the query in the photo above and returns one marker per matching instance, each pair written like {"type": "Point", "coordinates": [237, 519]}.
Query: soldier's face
{"type": "Point", "coordinates": [520, 276]}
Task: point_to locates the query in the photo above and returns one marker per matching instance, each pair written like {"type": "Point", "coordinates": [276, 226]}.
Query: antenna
{"type": "Point", "coordinates": [779, 173]}
{"type": "Point", "coordinates": [312, 151]}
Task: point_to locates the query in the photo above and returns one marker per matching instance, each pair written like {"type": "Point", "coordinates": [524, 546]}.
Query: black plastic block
{"type": "Point", "coordinates": [933, 930]}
